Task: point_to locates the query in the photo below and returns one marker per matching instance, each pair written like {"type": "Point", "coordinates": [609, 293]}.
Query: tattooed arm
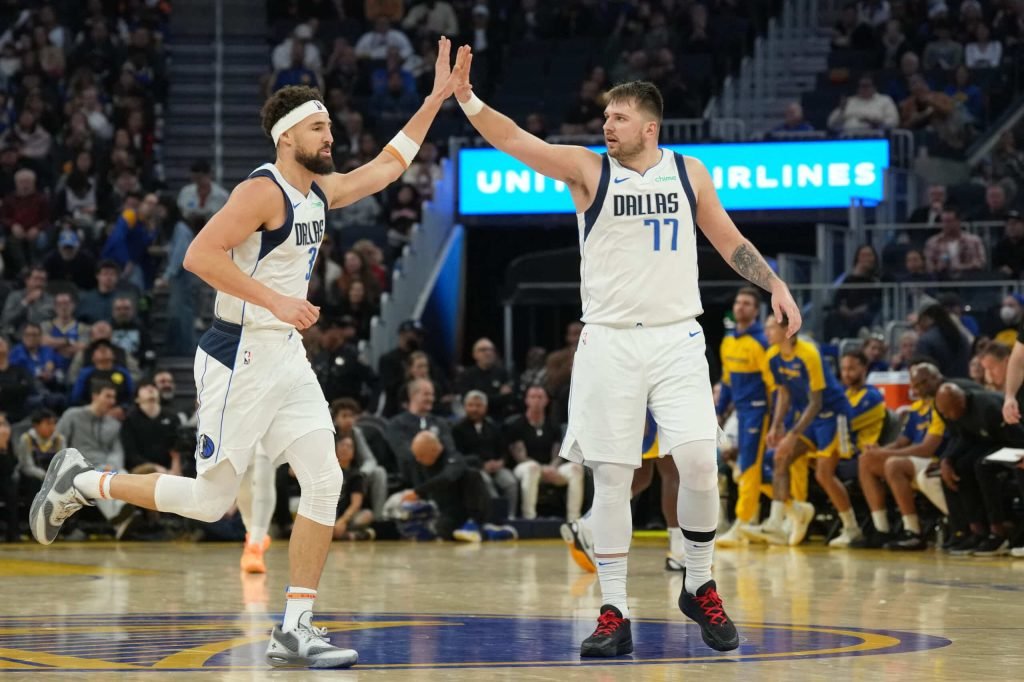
{"type": "Point", "coordinates": [736, 249]}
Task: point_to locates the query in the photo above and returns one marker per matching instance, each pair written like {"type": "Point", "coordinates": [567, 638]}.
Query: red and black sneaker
{"type": "Point", "coordinates": [706, 610]}
{"type": "Point", "coordinates": [613, 636]}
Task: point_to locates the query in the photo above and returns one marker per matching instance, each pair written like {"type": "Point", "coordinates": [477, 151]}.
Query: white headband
{"type": "Point", "coordinates": [294, 116]}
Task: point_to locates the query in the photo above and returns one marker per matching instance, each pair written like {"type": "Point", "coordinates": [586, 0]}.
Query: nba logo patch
{"type": "Point", "coordinates": [205, 447]}
{"type": "Point", "coordinates": [247, 357]}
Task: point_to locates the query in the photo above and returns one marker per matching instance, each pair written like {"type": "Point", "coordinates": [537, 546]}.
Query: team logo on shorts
{"type": "Point", "coordinates": [247, 357]}
{"type": "Point", "coordinates": [205, 447]}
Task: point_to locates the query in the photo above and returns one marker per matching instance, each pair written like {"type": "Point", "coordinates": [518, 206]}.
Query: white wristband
{"type": "Point", "coordinates": [474, 106]}
{"type": "Point", "coordinates": [403, 148]}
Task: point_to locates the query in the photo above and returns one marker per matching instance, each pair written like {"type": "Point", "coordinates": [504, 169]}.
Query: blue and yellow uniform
{"type": "Point", "coordinates": [923, 421]}
{"type": "Point", "coordinates": [650, 444]}
{"type": "Point", "coordinates": [746, 383]}
{"type": "Point", "coordinates": [867, 416]}
{"type": "Point", "coordinates": [802, 373]}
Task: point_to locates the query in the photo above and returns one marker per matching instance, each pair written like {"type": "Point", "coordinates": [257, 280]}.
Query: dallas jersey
{"type": "Point", "coordinates": [282, 258]}
{"type": "Point", "coordinates": [638, 246]}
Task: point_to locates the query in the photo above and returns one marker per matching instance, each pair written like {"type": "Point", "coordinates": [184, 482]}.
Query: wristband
{"type": "Point", "coordinates": [402, 148]}
{"type": "Point", "coordinates": [474, 106]}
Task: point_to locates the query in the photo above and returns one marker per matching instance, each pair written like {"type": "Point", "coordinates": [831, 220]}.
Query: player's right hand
{"type": "Point", "coordinates": [948, 474]}
{"type": "Point", "coordinates": [460, 75]}
{"type": "Point", "coordinates": [295, 311]}
{"type": "Point", "coordinates": [1011, 410]}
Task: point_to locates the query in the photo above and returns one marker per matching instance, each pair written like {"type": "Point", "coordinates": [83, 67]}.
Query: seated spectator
{"type": "Point", "coordinates": [342, 373]}
{"type": "Point", "coordinates": [867, 110]}
{"type": "Point", "coordinates": [41, 362]}
{"type": "Point", "coordinates": [996, 207]}
{"type": "Point", "coordinates": [930, 213]}
{"type": "Point", "coordinates": [534, 445]}
{"type": "Point", "coordinates": [433, 18]}
{"type": "Point", "coordinates": [874, 350]}
{"type": "Point", "coordinates": [25, 219]}
{"type": "Point", "coordinates": [149, 434]}
{"type": "Point", "coordinates": [406, 211]}
{"type": "Point", "coordinates": [924, 108]}
{"type": "Point", "coordinates": [302, 37]}
{"type": "Point", "coordinates": [31, 137]}
{"type": "Point", "coordinates": [296, 73]}
{"type": "Point", "coordinates": [35, 448]}
{"type": "Point", "coordinates": [103, 368]}
{"type": "Point", "coordinates": [488, 375]}
{"type": "Point", "coordinates": [68, 263]}
{"type": "Point", "coordinates": [914, 268]}
{"type": "Point", "coordinates": [953, 252]}
{"type": "Point", "coordinates": [63, 333]}
{"type": "Point", "coordinates": [425, 170]}
{"type": "Point", "coordinates": [848, 31]}
{"type": "Point", "coordinates": [354, 519]}
{"type": "Point", "coordinates": [31, 304]}
{"type": "Point", "coordinates": [356, 306]}
{"type": "Point", "coordinates": [393, 106]}
{"type": "Point", "coordinates": [418, 416]}
{"type": "Point", "coordinates": [393, 64]}
{"type": "Point", "coordinates": [941, 338]}
{"type": "Point", "coordinates": [374, 258]}
{"type": "Point", "coordinates": [130, 334]}
{"type": "Point", "coordinates": [374, 472]}
{"type": "Point", "coordinates": [1011, 314]}
{"type": "Point", "coordinates": [894, 44]}
{"type": "Point", "coordinates": [586, 114]}
{"type": "Point", "coordinates": [98, 304]}
{"type": "Point", "coordinates": [942, 52]}
{"type": "Point", "coordinates": [534, 369]}
{"type": "Point", "coordinates": [995, 359]}
{"type": "Point", "coordinates": [966, 96]}
{"type": "Point", "coordinates": [9, 482]}
{"type": "Point", "coordinates": [477, 436]}
{"type": "Point", "coordinates": [202, 197]}
{"type": "Point", "coordinates": [164, 381]}
{"type": "Point", "coordinates": [975, 370]}
{"type": "Point", "coordinates": [418, 366]}
{"type": "Point", "coordinates": [856, 308]}
{"type": "Point", "coordinates": [392, 365]}
{"type": "Point", "coordinates": [374, 44]}
{"type": "Point", "coordinates": [873, 13]}
{"type": "Point", "coordinates": [79, 194]}
{"type": "Point", "coordinates": [907, 346]}
{"type": "Point", "coordinates": [793, 120]}
{"type": "Point", "coordinates": [983, 52]}
{"type": "Point", "coordinates": [1008, 254]}
{"type": "Point", "coordinates": [129, 242]}
{"type": "Point", "coordinates": [184, 289]}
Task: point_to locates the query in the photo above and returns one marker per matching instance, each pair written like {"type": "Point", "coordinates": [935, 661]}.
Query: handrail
{"type": "Point", "coordinates": [218, 90]}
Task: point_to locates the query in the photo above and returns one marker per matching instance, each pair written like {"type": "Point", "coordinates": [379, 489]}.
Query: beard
{"type": "Point", "coordinates": [628, 150]}
{"type": "Point", "coordinates": [315, 163]}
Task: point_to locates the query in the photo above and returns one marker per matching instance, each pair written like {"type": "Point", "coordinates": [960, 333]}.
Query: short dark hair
{"type": "Point", "coordinates": [344, 404]}
{"type": "Point", "coordinates": [997, 350]}
{"type": "Point", "coordinates": [107, 264]}
{"type": "Point", "coordinates": [643, 94]}
{"type": "Point", "coordinates": [752, 292]}
{"type": "Point", "coordinates": [857, 355]}
{"type": "Point", "coordinates": [200, 166]}
{"type": "Point", "coordinates": [30, 323]}
{"type": "Point", "coordinates": [98, 384]}
{"type": "Point", "coordinates": [953, 208]}
{"type": "Point", "coordinates": [283, 101]}
{"type": "Point", "coordinates": [144, 384]}
{"type": "Point", "coordinates": [42, 415]}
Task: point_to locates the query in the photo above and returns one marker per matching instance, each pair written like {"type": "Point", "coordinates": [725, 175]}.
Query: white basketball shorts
{"type": "Point", "coordinates": [618, 373]}
{"type": "Point", "coordinates": [253, 387]}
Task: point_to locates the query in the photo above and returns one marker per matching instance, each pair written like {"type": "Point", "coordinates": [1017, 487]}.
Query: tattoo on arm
{"type": "Point", "coordinates": [751, 266]}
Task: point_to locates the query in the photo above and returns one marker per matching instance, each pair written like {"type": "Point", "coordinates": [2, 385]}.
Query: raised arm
{"type": "Point", "coordinates": [577, 167]}
{"type": "Point", "coordinates": [736, 249]}
{"type": "Point", "coordinates": [346, 188]}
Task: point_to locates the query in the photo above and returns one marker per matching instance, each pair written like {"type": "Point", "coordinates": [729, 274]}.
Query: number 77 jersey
{"type": "Point", "coordinates": [638, 246]}
{"type": "Point", "coordinates": [282, 257]}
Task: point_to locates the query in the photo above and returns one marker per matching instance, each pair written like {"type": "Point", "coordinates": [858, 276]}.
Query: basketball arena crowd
{"type": "Point", "coordinates": [95, 306]}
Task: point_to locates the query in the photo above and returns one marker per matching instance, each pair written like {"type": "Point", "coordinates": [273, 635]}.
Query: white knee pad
{"type": "Point", "coordinates": [205, 498]}
{"type": "Point", "coordinates": [611, 518]}
{"type": "Point", "coordinates": [316, 467]}
{"type": "Point", "coordinates": [527, 470]}
{"type": "Point", "coordinates": [697, 463]}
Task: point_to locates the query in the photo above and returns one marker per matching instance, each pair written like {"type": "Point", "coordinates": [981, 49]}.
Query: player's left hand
{"type": "Point", "coordinates": [444, 76]}
{"type": "Point", "coordinates": [783, 304]}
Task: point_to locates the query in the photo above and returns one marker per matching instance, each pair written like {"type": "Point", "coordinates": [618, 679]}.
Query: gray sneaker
{"type": "Point", "coordinates": [58, 498]}
{"type": "Point", "coordinates": [307, 647]}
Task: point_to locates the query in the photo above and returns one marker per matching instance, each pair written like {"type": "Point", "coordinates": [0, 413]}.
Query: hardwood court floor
{"type": "Point", "coordinates": [514, 611]}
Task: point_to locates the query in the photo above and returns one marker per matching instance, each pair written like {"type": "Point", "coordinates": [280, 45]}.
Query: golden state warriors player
{"type": "Point", "coordinates": [254, 383]}
{"type": "Point", "coordinates": [638, 209]}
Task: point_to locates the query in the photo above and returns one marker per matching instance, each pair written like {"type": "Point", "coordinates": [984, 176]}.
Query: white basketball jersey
{"type": "Point", "coordinates": [638, 246]}
{"type": "Point", "coordinates": [281, 258]}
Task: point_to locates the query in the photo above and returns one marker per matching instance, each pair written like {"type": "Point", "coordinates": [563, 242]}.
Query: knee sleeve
{"type": "Point", "coordinates": [204, 498]}
{"type": "Point", "coordinates": [697, 463]}
{"type": "Point", "coordinates": [316, 467]}
{"type": "Point", "coordinates": [611, 519]}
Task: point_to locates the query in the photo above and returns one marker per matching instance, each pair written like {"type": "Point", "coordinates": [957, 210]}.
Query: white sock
{"type": "Point", "coordinates": [881, 521]}
{"type": "Point", "coordinates": [778, 513]}
{"type": "Point", "coordinates": [911, 523]}
{"type": "Point", "coordinates": [298, 600]}
{"type": "Point", "coordinates": [698, 562]}
{"type": "Point", "coordinates": [849, 519]}
{"type": "Point", "coordinates": [611, 572]}
{"type": "Point", "coordinates": [675, 542]}
{"type": "Point", "coordinates": [94, 485]}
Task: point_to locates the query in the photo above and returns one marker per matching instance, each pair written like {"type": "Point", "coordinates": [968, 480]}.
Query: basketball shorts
{"type": "Point", "coordinates": [619, 373]}
{"type": "Point", "coordinates": [926, 480]}
{"type": "Point", "coordinates": [254, 386]}
{"type": "Point", "coordinates": [827, 435]}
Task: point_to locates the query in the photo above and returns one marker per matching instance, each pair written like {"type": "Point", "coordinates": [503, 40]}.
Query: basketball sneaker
{"type": "Point", "coordinates": [581, 545]}
{"type": "Point", "coordinates": [306, 646]}
{"type": "Point", "coordinates": [733, 537]}
{"type": "Point", "coordinates": [612, 637]}
{"type": "Point", "coordinates": [801, 515]}
{"type": "Point", "coordinates": [252, 555]}
{"type": "Point", "coordinates": [907, 541]}
{"type": "Point", "coordinates": [993, 545]}
{"type": "Point", "coordinates": [1017, 552]}
{"type": "Point", "coordinates": [872, 540]}
{"type": "Point", "coordinates": [468, 532]}
{"type": "Point", "coordinates": [771, 533]}
{"type": "Point", "coordinates": [58, 498]}
{"type": "Point", "coordinates": [967, 545]}
{"type": "Point", "coordinates": [846, 537]}
{"type": "Point", "coordinates": [706, 610]}
{"type": "Point", "coordinates": [495, 533]}
{"type": "Point", "coordinates": [675, 563]}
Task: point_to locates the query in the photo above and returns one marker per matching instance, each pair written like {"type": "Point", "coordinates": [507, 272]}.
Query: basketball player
{"type": "Point", "coordinates": [746, 384]}
{"type": "Point", "coordinates": [253, 380]}
{"type": "Point", "coordinates": [638, 207]}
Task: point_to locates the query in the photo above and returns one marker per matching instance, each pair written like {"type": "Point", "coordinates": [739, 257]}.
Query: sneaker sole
{"type": "Point", "coordinates": [804, 524]}
{"type": "Point", "coordinates": [761, 537]}
{"type": "Point", "coordinates": [42, 506]}
{"type": "Point", "coordinates": [576, 550]}
{"type": "Point", "coordinates": [595, 652]}
{"type": "Point", "coordinates": [334, 662]}
{"type": "Point", "coordinates": [709, 639]}
{"type": "Point", "coordinates": [673, 564]}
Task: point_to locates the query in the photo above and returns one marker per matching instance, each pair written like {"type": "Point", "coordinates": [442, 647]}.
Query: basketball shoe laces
{"type": "Point", "coordinates": [711, 604]}
{"type": "Point", "coordinates": [70, 507]}
{"type": "Point", "coordinates": [307, 625]}
{"type": "Point", "coordinates": [607, 623]}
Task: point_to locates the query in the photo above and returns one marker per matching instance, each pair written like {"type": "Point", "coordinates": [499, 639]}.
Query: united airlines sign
{"type": "Point", "coordinates": [749, 176]}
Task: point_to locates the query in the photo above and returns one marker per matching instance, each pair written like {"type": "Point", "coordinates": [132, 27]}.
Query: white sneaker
{"type": "Point", "coordinates": [581, 545]}
{"type": "Point", "coordinates": [1017, 552]}
{"type": "Point", "coordinates": [733, 537]}
{"type": "Point", "coordinates": [767, 532]}
{"type": "Point", "coordinates": [674, 562]}
{"type": "Point", "coordinates": [57, 498]}
{"type": "Point", "coordinates": [307, 647]}
{"type": "Point", "coordinates": [845, 537]}
{"type": "Point", "coordinates": [801, 515]}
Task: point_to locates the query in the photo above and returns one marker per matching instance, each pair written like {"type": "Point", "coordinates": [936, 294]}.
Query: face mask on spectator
{"type": "Point", "coordinates": [1008, 314]}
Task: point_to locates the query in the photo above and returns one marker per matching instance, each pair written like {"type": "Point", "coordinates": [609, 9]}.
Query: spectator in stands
{"type": "Point", "coordinates": [983, 52]}
{"type": "Point", "coordinates": [1008, 254]}
{"type": "Point", "coordinates": [342, 373]}
{"type": "Point", "coordinates": [1011, 313]}
{"type": "Point", "coordinates": [374, 44]}
{"type": "Point", "coordinates": [394, 105]}
{"type": "Point", "coordinates": [149, 434]}
{"type": "Point", "coordinates": [35, 448]}
{"type": "Point", "coordinates": [480, 439]}
{"type": "Point", "coordinates": [302, 37]}
{"type": "Point", "coordinates": [995, 360]}
{"type": "Point", "coordinates": [905, 350]}
{"type": "Point", "coordinates": [914, 269]}
{"type": "Point", "coordinates": [586, 114]}
{"type": "Point", "coordinates": [31, 304]}
{"type": "Point", "coordinates": [296, 73]}
{"type": "Point", "coordinates": [1007, 162]}
{"type": "Point", "coordinates": [97, 304]}
{"type": "Point", "coordinates": [930, 214]}
{"type": "Point", "coordinates": [533, 443]}
{"type": "Point", "coordinates": [487, 375]}
{"type": "Point", "coordinates": [38, 360]}
{"type": "Point", "coordinates": [966, 96]}
{"type": "Point", "coordinates": [874, 350]}
{"type": "Point", "coordinates": [34, 142]}
{"type": "Point", "coordinates": [183, 285]}
{"type": "Point", "coordinates": [942, 339]}
{"type": "Point", "coordinates": [532, 22]}
{"type": "Point", "coordinates": [355, 267]}
{"type": "Point", "coordinates": [953, 252]}
{"type": "Point", "coordinates": [25, 219]}
{"type": "Point", "coordinates": [68, 263]}
{"type": "Point", "coordinates": [356, 306]}
{"type": "Point", "coordinates": [558, 368]}
{"type": "Point", "coordinates": [856, 308]}
{"type": "Point", "coordinates": [406, 211]}
{"type": "Point", "coordinates": [130, 334]}
{"type": "Point", "coordinates": [793, 120]}
{"type": "Point", "coordinates": [873, 13]}
{"type": "Point", "coordinates": [927, 109]}
{"type": "Point", "coordinates": [393, 363]}
{"type": "Point", "coordinates": [374, 258]}
{"type": "Point", "coordinates": [8, 481]}
{"type": "Point", "coordinates": [996, 205]}
{"type": "Point", "coordinates": [129, 242]}
{"type": "Point", "coordinates": [374, 472]}
{"type": "Point", "coordinates": [534, 370]}
{"type": "Point", "coordinates": [418, 416]}
{"type": "Point", "coordinates": [9, 165]}
{"type": "Point", "coordinates": [432, 18]}
{"type": "Point", "coordinates": [942, 52]}
{"type": "Point", "coordinates": [899, 87]}
{"type": "Point", "coordinates": [63, 333]}
{"type": "Point", "coordinates": [104, 369]}
{"type": "Point", "coordinates": [16, 385]}
{"type": "Point", "coordinates": [354, 522]}
{"type": "Point", "coordinates": [418, 367]}
{"type": "Point", "coordinates": [894, 44]}
{"type": "Point", "coordinates": [425, 170]}
{"type": "Point", "coordinates": [393, 64]}
{"type": "Point", "coordinates": [849, 33]}
{"type": "Point", "coordinates": [202, 197]}
{"type": "Point", "coordinates": [867, 110]}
